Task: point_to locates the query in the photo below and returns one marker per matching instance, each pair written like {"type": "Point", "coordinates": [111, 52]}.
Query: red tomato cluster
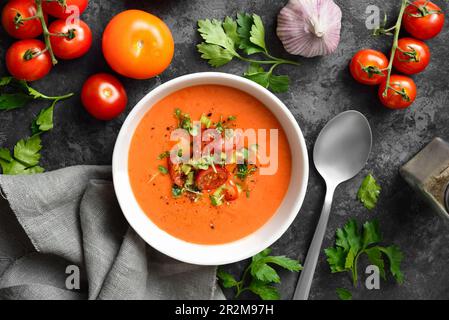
{"type": "Point", "coordinates": [30, 59]}
{"type": "Point", "coordinates": [422, 20]}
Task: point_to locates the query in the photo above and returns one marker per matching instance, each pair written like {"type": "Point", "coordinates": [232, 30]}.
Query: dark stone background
{"type": "Point", "coordinates": [321, 88]}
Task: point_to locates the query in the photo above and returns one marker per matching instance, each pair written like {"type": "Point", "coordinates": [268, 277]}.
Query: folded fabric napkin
{"type": "Point", "coordinates": [72, 221]}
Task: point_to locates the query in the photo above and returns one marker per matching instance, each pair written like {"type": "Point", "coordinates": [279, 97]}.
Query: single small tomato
{"type": "Point", "coordinates": [369, 67]}
{"type": "Point", "coordinates": [211, 179]}
{"type": "Point", "coordinates": [401, 93]}
{"type": "Point", "coordinates": [103, 96]}
{"type": "Point", "coordinates": [28, 60]}
{"type": "Point", "coordinates": [232, 191]}
{"type": "Point", "coordinates": [412, 56]}
{"type": "Point", "coordinates": [14, 19]}
{"type": "Point", "coordinates": [423, 19]}
{"type": "Point", "coordinates": [174, 169]}
{"type": "Point", "coordinates": [137, 44]}
{"type": "Point", "coordinates": [73, 7]}
{"type": "Point", "coordinates": [70, 41]}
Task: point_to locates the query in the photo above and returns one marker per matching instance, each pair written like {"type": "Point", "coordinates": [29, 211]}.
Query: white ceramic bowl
{"type": "Point", "coordinates": [223, 253]}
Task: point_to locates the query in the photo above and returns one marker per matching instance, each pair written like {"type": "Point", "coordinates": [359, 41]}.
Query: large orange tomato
{"type": "Point", "coordinates": [137, 44]}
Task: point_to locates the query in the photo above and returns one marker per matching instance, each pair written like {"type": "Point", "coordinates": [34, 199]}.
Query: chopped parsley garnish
{"type": "Point", "coordinates": [243, 171]}
{"type": "Point", "coordinates": [162, 169]}
{"type": "Point", "coordinates": [206, 121]}
{"type": "Point", "coordinates": [176, 191]}
{"type": "Point", "coordinates": [164, 155]}
{"type": "Point", "coordinates": [232, 118]}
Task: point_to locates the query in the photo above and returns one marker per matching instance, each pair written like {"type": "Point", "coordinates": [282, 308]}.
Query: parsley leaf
{"type": "Point", "coordinates": [27, 151]}
{"type": "Point", "coordinates": [222, 40]}
{"type": "Point", "coordinates": [263, 290]}
{"type": "Point", "coordinates": [369, 192]}
{"type": "Point", "coordinates": [26, 154]}
{"type": "Point", "coordinates": [22, 94]}
{"type": "Point", "coordinates": [216, 55]}
{"type": "Point", "coordinates": [230, 28]}
{"type": "Point", "coordinates": [258, 32]}
{"type": "Point", "coordinates": [350, 244]}
{"type": "Point", "coordinates": [395, 257]}
{"type": "Point", "coordinates": [44, 120]}
{"type": "Point", "coordinates": [262, 275]}
{"type": "Point", "coordinates": [26, 157]}
{"type": "Point", "coordinates": [375, 257]}
{"type": "Point", "coordinates": [245, 24]}
{"type": "Point", "coordinates": [213, 33]}
{"type": "Point", "coordinates": [227, 280]}
{"type": "Point", "coordinates": [344, 294]}
{"type": "Point", "coordinates": [10, 101]}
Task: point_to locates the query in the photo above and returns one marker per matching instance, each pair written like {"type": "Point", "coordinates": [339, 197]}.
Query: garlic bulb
{"type": "Point", "coordinates": [310, 28]}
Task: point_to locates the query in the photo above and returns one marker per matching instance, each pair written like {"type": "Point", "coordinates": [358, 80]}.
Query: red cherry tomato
{"type": "Point", "coordinates": [25, 60]}
{"type": "Point", "coordinates": [401, 94]}
{"type": "Point", "coordinates": [54, 9]}
{"type": "Point", "coordinates": [175, 172]}
{"type": "Point", "coordinates": [368, 67]}
{"type": "Point", "coordinates": [76, 41]}
{"type": "Point", "coordinates": [103, 96]}
{"type": "Point", "coordinates": [412, 56]}
{"type": "Point", "coordinates": [211, 179]}
{"type": "Point", "coordinates": [423, 19]}
{"type": "Point", "coordinates": [12, 19]}
{"type": "Point", "coordinates": [232, 191]}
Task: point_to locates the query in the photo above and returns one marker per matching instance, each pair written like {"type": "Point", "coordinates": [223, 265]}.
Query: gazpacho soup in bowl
{"type": "Point", "coordinates": [209, 164]}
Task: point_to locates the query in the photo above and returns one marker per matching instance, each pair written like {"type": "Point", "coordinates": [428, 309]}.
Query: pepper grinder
{"type": "Point", "coordinates": [428, 174]}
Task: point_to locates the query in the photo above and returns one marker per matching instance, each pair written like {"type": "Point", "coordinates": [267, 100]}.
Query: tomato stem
{"type": "Point", "coordinates": [40, 15]}
{"type": "Point", "coordinates": [395, 44]}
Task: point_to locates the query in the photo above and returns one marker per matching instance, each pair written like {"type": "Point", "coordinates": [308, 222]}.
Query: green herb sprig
{"type": "Point", "coordinates": [259, 276]}
{"type": "Point", "coordinates": [350, 244]}
{"type": "Point", "coordinates": [26, 154]}
{"type": "Point", "coordinates": [229, 39]}
{"type": "Point", "coordinates": [16, 94]}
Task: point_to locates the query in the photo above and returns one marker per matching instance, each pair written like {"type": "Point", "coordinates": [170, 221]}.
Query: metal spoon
{"type": "Point", "coordinates": [340, 152]}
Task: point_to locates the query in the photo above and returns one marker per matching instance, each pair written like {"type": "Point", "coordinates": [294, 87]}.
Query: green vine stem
{"type": "Point", "coordinates": [397, 30]}
{"type": "Point", "coordinates": [40, 15]}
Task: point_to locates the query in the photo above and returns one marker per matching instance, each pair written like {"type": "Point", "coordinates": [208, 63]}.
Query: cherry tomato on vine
{"type": "Point", "coordinates": [423, 19]}
{"type": "Point", "coordinates": [103, 96]}
{"type": "Point", "coordinates": [400, 95]}
{"type": "Point", "coordinates": [137, 44]}
{"type": "Point", "coordinates": [55, 9]}
{"type": "Point", "coordinates": [14, 19]}
{"type": "Point", "coordinates": [73, 41]}
{"type": "Point", "coordinates": [27, 60]}
{"type": "Point", "coordinates": [368, 67]}
{"type": "Point", "coordinates": [412, 56]}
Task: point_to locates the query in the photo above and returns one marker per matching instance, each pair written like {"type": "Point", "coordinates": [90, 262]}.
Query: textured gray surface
{"type": "Point", "coordinates": [321, 88]}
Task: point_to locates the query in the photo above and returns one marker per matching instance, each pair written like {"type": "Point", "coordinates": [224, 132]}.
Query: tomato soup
{"type": "Point", "coordinates": [199, 211]}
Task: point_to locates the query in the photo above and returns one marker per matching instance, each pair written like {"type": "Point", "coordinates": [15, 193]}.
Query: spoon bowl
{"type": "Point", "coordinates": [340, 152]}
{"type": "Point", "coordinates": [343, 147]}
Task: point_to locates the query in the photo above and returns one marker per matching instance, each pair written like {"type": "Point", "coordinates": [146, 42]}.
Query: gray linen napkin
{"type": "Point", "coordinates": [71, 218]}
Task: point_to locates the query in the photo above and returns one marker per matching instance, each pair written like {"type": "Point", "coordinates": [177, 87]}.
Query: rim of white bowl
{"type": "Point", "coordinates": [222, 253]}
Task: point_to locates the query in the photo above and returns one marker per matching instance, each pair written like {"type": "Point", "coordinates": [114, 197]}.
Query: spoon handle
{"type": "Point", "coordinates": [305, 280]}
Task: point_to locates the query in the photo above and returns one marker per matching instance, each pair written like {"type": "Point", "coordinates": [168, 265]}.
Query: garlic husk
{"type": "Point", "coordinates": [310, 28]}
